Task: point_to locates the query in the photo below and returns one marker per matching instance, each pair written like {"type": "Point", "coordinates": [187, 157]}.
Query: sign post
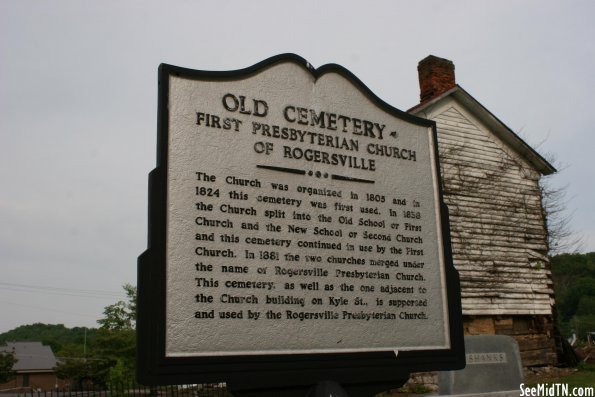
{"type": "Point", "coordinates": [297, 234]}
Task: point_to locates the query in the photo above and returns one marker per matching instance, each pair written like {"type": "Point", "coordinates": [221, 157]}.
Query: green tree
{"type": "Point", "coordinates": [569, 300]}
{"type": "Point", "coordinates": [574, 285]}
{"type": "Point", "coordinates": [111, 356]}
{"type": "Point", "coordinates": [57, 336]}
{"type": "Point", "coordinates": [116, 338]}
{"type": "Point", "coordinates": [7, 362]}
{"type": "Point", "coordinates": [586, 306]}
{"type": "Point", "coordinates": [118, 346]}
{"type": "Point", "coordinates": [84, 371]}
{"type": "Point", "coordinates": [122, 314]}
{"type": "Point", "coordinates": [582, 325]}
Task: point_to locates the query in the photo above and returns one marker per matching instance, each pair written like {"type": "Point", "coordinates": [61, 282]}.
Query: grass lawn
{"type": "Point", "coordinates": [581, 378]}
{"type": "Point", "coordinates": [584, 376]}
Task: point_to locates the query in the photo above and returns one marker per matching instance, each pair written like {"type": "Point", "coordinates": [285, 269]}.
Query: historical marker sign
{"type": "Point", "coordinates": [294, 218]}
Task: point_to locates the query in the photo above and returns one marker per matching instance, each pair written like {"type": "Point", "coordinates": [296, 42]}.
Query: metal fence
{"type": "Point", "coordinates": [123, 390]}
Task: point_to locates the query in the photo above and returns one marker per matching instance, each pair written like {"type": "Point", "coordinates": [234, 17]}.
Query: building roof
{"type": "Point", "coordinates": [498, 127]}
{"type": "Point", "coordinates": [31, 356]}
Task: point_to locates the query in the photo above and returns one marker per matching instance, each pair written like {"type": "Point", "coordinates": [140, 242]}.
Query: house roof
{"type": "Point", "coordinates": [493, 123]}
{"type": "Point", "coordinates": [31, 356]}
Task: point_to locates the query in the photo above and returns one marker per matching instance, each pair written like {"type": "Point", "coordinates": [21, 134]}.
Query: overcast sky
{"type": "Point", "coordinates": [78, 110]}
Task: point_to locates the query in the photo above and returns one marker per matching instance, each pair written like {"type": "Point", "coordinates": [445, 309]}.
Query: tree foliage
{"type": "Point", "coordinates": [7, 361]}
{"type": "Point", "coordinates": [84, 371]}
{"type": "Point", "coordinates": [111, 355]}
{"type": "Point", "coordinates": [119, 347]}
{"type": "Point", "coordinates": [574, 285]}
{"type": "Point", "coordinates": [88, 356]}
{"type": "Point", "coordinates": [57, 336]}
{"type": "Point", "coordinates": [122, 314]}
{"type": "Point", "coordinates": [116, 339]}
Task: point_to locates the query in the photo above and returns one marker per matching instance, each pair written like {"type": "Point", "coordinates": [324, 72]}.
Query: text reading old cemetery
{"type": "Point", "coordinates": [301, 215]}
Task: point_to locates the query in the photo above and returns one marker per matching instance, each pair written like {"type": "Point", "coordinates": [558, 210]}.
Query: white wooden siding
{"type": "Point", "coordinates": [497, 226]}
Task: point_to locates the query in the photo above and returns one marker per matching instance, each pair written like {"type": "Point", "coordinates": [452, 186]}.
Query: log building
{"type": "Point", "coordinates": [498, 227]}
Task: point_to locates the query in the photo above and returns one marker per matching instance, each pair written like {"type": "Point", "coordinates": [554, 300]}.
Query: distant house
{"type": "Point", "coordinates": [498, 228]}
{"type": "Point", "coordinates": [34, 367]}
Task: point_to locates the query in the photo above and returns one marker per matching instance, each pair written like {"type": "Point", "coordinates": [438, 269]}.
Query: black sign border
{"type": "Point", "coordinates": [270, 371]}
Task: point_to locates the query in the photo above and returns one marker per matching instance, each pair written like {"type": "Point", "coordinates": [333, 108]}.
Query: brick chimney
{"type": "Point", "coordinates": [436, 76]}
